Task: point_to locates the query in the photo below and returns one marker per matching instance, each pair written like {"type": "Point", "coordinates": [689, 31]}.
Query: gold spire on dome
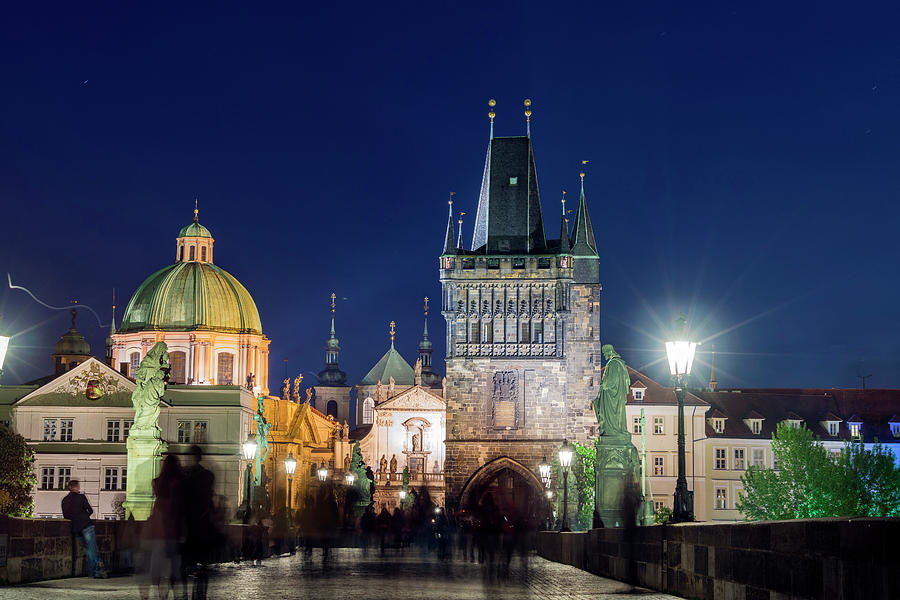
{"type": "Point", "coordinates": [196, 212]}
{"type": "Point", "coordinates": [564, 203]}
{"type": "Point", "coordinates": [492, 103]}
{"type": "Point", "coordinates": [528, 116]}
{"type": "Point", "coordinates": [332, 302]}
{"type": "Point", "coordinates": [426, 306]}
{"type": "Point", "coordinates": [392, 333]}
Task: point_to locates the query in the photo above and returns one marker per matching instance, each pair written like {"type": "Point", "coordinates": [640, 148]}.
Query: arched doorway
{"type": "Point", "coordinates": [512, 488]}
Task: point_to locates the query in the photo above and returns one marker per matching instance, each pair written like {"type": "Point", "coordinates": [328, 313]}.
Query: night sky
{"type": "Point", "coordinates": [743, 168]}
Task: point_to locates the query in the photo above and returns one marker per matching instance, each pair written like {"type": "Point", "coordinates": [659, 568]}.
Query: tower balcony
{"type": "Point", "coordinates": [508, 350]}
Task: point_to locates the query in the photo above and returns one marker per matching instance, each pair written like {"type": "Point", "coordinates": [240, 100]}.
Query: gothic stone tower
{"type": "Point", "coordinates": [523, 343]}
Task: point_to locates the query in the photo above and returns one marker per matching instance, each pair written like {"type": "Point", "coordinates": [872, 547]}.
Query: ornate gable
{"type": "Point", "coordinates": [92, 383]}
{"type": "Point", "coordinates": [415, 398]}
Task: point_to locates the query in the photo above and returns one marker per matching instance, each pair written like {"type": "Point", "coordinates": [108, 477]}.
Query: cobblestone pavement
{"type": "Point", "coordinates": [349, 575]}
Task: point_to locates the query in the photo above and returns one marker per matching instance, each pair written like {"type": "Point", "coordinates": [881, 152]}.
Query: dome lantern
{"type": "Point", "coordinates": [194, 242]}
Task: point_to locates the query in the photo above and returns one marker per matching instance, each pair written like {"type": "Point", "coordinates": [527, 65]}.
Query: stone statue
{"type": "Point", "coordinates": [391, 386]}
{"type": "Point", "coordinates": [417, 442]}
{"type": "Point", "coordinates": [383, 465]}
{"type": "Point", "coordinates": [609, 405]}
{"type": "Point", "coordinates": [309, 396]}
{"type": "Point", "coordinates": [151, 379]}
{"type": "Point", "coordinates": [296, 394]}
{"type": "Point", "coordinates": [417, 372]}
{"type": "Point", "coordinates": [286, 389]}
{"type": "Point", "coordinates": [393, 464]}
{"type": "Point", "coordinates": [347, 463]}
{"type": "Point", "coordinates": [262, 430]}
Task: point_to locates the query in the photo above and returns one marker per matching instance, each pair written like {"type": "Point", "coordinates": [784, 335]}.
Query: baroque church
{"type": "Point", "coordinates": [523, 336]}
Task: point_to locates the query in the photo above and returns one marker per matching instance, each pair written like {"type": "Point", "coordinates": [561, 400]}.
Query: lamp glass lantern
{"type": "Point", "coordinates": [290, 464]}
{"type": "Point", "coordinates": [544, 469]}
{"type": "Point", "coordinates": [322, 472]}
{"type": "Point", "coordinates": [350, 478]}
{"type": "Point", "coordinates": [566, 453]}
{"type": "Point", "coordinates": [680, 351]}
{"type": "Point", "coordinates": [402, 494]}
{"type": "Point", "coordinates": [4, 346]}
{"type": "Point", "coordinates": [249, 447]}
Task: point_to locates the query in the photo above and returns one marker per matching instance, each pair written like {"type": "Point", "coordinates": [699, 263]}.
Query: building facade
{"type": "Point", "coordinates": [523, 336]}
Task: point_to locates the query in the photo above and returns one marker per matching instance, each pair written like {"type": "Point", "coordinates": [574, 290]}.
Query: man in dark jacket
{"type": "Point", "coordinates": [77, 509]}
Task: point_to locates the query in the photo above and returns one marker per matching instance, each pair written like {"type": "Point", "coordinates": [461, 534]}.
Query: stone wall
{"type": "Point", "coordinates": [39, 549]}
{"type": "Point", "coordinates": [778, 560]}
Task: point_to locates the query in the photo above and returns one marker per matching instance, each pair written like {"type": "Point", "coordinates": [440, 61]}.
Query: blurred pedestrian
{"type": "Point", "coordinates": [164, 531]}
{"type": "Point", "coordinates": [202, 533]}
{"type": "Point", "coordinates": [77, 509]}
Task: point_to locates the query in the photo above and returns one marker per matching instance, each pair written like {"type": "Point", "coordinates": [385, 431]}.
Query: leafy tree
{"type": "Point", "coordinates": [810, 483]}
{"type": "Point", "coordinates": [17, 478]}
{"type": "Point", "coordinates": [662, 516]}
{"type": "Point", "coordinates": [583, 471]}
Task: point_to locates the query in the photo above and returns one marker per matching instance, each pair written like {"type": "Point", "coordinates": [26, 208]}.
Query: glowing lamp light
{"type": "Point", "coordinates": [402, 495]}
{"type": "Point", "coordinates": [257, 390]}
{"type": "Point", "coordinates": [566, 452]}
{"type": "Point", "coordinates": [549, 494]}
{"type": "Point", "coordinates": [680, 352]}
{"type": "Point", "coordinates": [544, 469]}
{"type": "Point", "coordinates": [249, 447]}
{"type": "Point", "coordinates": [322, 472]}
{"type": "Point", "coordinates": [290, 463]}
{"type": "Point", "coordinates": [350, 477]}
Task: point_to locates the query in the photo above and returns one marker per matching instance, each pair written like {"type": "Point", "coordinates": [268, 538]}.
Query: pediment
{"type": "Point", "coordinates": [415, 398]}
{"type": "Point", "coordinates": [71, 387]}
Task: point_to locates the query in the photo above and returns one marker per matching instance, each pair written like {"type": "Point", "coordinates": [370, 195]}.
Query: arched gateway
{"type": "Point", "coordinates": [514, 489]}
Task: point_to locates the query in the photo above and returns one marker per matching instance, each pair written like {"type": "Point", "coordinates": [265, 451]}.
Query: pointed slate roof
{"type": "Point", "coordinates": [583, 243]}
{"type": "Point", "coordinates": [449, 245]}
{"type": "Point", "coordinates": [509, 219]}
{"type": "Point", "coordinates": [390, 365]}
{"type": "Point", "coordinates": [564, 247]}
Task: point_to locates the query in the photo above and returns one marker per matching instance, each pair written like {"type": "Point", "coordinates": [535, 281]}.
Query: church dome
{"type": "Point", "coordinates": [195, 229]}
{"type": "Point", "coordinates": [191, 295]}
{"type": "Point", "coordinates": [72, 342]}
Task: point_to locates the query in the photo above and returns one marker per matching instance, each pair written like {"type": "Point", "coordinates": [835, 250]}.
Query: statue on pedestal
{"type": "Point", "coordinates": [144, 444]}
{"type": "Point", "coordinates": [618, 463]}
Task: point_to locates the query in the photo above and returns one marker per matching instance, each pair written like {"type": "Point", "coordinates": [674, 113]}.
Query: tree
{"type": "Point", "coordinates": [583, 471]}
{"type": "Point", "coordinates": [809, 483]}
{"type": "Point", "coordinates": [17, 479]}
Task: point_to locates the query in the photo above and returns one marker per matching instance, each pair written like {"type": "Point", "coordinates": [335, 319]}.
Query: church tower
{"type": "Point", "coordinates": [429, 377]}
{"type": "Point", "coordinates": [333, 393]}
{"type": "Point", "coordinates": [523, 333]}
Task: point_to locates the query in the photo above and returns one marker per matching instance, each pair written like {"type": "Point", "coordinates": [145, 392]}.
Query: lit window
{"type": "Point", "coordinates": [721, 498]}
{"type": "Point", "coordinates": [636, 425]}
{"type": "Point", "coordinates": [835, 454]}
{"type": "Point", "coordinates": [739, 459]}
{"type": "Point", "coordinates": [721, 459]}
{"type": "Point", "coordinates": [590, 332]}
{"type": "Point", "coordinates": [368, 411]}
{"type": "Point", "coordinates": [659, 427]}
{"type": "Point", "coordinates": [134, 361]}
{"type": "Point", "coordinates": [192, 432]}
{"type": "Point", "coordinates": [855, 429]}
{"type": "Point", "coordinates": [537, 333]}
{"type": "Point", "coordinates": [895, 429]}
{"type": "Point", "coordinates": [50, 430]}
{"type": "Point", "coordinates": [513, 181]}
{"type": "Point", "coordinates": [659, 465]}
{"type": "Point", "coordinates": [758, 457]}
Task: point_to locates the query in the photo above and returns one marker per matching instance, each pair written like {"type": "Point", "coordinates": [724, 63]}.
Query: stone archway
{"type": "Point", "coordinates": [514, 489]}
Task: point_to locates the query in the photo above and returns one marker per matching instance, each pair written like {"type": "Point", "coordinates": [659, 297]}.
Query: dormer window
{"type": "Point", "coordinates": [895, 430]}
{"type": "Point", "coordinates": [792, 420]}
{"type": "Point", "coordinates": [831, 424]}
{"type": "Point", "coordinates": [637, 391]}
{"type": "Point", "coordinates": [718, 424]}
{"type": "Point", "coordinates": [854, 425]}
{"type": "Point", "coordinates": [755, 426]}
{"type": "Point", "coordinates": [754, 422]}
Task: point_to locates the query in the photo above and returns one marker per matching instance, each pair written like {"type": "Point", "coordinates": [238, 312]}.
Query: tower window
{"type": "Point", "coordinates": [476, 333]}
{"type": "Point", "coordinates": [331, 409]}
{"type": "Point", "coordinates": [368, 411]}
{"type": "Point", "coordinates": [225, 369]}
{"type": "Point", "coordinates": [591, 332]}
{"type": "Point", "coordinates": [134, 360]}
{"type": "Point", "coordinates": [203, 253]}
{"type": "Point", "coordinates": [181, 252]}
{"type": "Point", "coordinates": [193, 253]}
{"type": "Point", "coordinates": [487, 334]}
{"type": "Point", "coordinates": [537, 333]}
{"type": "Point", "coordinates": [526, 333]}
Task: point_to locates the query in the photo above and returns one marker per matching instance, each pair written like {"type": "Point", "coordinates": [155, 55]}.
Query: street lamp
{"type": "Point", "coordinates": [680, 353]}
{"type": "Point", "coordinates": [322, 472]}
{"type": "Point", "coordinates": [402, 494]}
{"type": "Point", "coordinates": [544, 470]}
{"type": "Point", "coordinates": [566, 452]}
{"type": "Point", "coordinates": [350, 478]}
{"type": "Point", "coordinates": [290, 463]}
{"type": "Point", "coordinates": [4, 346]}
{"type": "Point", "coordinates": [248, 448]}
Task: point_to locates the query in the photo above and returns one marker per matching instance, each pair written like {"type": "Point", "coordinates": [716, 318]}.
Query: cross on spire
{"type": "Point", "coordinates": [332, 302]}
{"type": "Point", "coordinates": [426, 306]}
{"type": "Point", "coordinates": [392, 333]}
{"type": "Point", "coordinates": [196, 212]}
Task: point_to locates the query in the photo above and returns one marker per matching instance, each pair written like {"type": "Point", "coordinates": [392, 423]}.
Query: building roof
{"type": "Point", "coordinates": [509, 219]}
{"type": "Point", "coordinates": [195, 229]}
{"type": "Point", "coordinates": [873, 408]}
{"type": "Point", "coordinates": [657, 394]}
{"type": "Point", "coordinates": [583, 243]}
{"type": "Point", "coordinates": [72, 342]}
{"type": "Point", "coordinates": [188, 296]}
{"type": "Point", "coordinates": [393, 365]}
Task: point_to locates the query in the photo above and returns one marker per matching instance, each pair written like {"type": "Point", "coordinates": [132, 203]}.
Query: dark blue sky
{"type": "Point", "coordinates": [743, 167]}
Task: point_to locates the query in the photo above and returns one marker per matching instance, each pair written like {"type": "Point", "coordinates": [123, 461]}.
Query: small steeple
{"type": "Point", "coordinates": [713, 384]}
{"type": "Point", "coordinates": [196, 212]}
{"type": "Point", "coordinates": [112, 330]}
{"type": "Point", "coordinates": [564, 247]}
{"type": "Point", "coordinates": [584, 248]}
{"type": "Point", "coordinates": [428, 377]}
{"type": "Point", "coordinates": [392, 333]}
{"type": "Point", "coordinates": [449, 248]}
{"type": "Point", "coordinates": [492, 103]}
{"type": "Point", "coordinates": [528, 117]}
{"type": "Point", "coordinates": [459, 239]}
{"type": "Point", "coordinates": [332, 374]}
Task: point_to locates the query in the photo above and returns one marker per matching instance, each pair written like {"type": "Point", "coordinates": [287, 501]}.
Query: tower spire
{"type": "Point", "coordinates": [564, 246]}
{"type": "Point", "coordinates": [459, 239]}
{"type": "Point", "coordinates": [429, 377]}
{"type": "Point", "coordinates": [332, 314]}
{"type": "Point", "coordinates": [392, 333]}
{"type": "Point", "coordinates": [584, 248]}
{"type": "Point", "coordinates": [196, 212]}
{"type": "Point", "coordinates": [332, 375]}
{"type": "Point", "coordinates": [448, 241]}
{"type": "Point", "coordinates": [713, 384]}
{"type": "Point", "coordinates": [492, 103]}
{"type": "Point", "coordinates": [528, 117]}
{"type": "Point", "coordinates": [112, 330]}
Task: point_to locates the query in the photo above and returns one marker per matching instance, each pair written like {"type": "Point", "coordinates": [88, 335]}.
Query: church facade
{"type": "Point", "coordinates": [523, 336]}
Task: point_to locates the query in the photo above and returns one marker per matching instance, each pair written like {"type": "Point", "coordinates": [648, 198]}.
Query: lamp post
{"type": "Point", "coordinates": [349, 478]}
{"type": "Point", "coordinates": [680, 353]}
{"type": "Point", "coordinates": [290, 463]}
{"type": "Point", "coordinates": [544, 470]}
{"type": "Point", "coordinates": [566, 452]}
{"type": "Point", "coordinates": [249, 450]}
{"type": "Point", "coordinates": [322, 472]}
{"type": "Point", "coordinates": [4, 346]}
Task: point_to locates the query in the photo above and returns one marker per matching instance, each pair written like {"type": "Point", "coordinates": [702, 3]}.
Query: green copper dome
{"type": "Point", "coordinates": [72, 342]}
{"type": "Point", "coordinates": [191, 295]}
{"type": "Point", "coordinates": [195, 229]}
{"type": "Point", "coordinates": [390, 365]}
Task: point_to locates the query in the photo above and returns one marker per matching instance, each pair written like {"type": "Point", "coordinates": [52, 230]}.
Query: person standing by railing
{"type": "Point", "coordinates": [77, 509]}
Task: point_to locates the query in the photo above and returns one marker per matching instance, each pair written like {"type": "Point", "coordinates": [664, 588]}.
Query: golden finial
{"type": "Point", "coordinates": [451, 199]}
{"type": "Point", "coordinates": [196, 212]}
{"type": "Point", "coordinates": [564, 203]}
{"type": "Point", "coordinates": [584, 162]}
{"type": "Point", "coordinates": [426, 306]}
{"type": "Point", "coordinates": [528, 117]}
{"type": "Point", "coordinates": [492, 103]}
{"type": "Point", "coordinates": [332, 302]}
{"type": "Point", "coordinates": [392, 333]}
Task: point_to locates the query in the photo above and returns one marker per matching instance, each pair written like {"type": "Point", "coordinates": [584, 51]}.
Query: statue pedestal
{"type": "Point", "coordinates": [144, 451]}
{"type": "Point", "coordinates": [616, 474]}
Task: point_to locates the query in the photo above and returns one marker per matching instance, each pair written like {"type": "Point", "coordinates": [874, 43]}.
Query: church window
{"type": "Point", "coordinates": [537, 333]}
{"type": "Point", "coordinates": [177, 363]}
{"type": "Point", "coordinates": [368, 411]}
{"type": "Point", "coordinates": [476, 333]}
{"type": "Point", "coordinates": [331, 409]}
{"type": "Point", "coordinates": [526, 332]}
{"type": "Point", "coordinates": [225, 369]}
{"type": "Point", "coordinates": [193, 253]}
{"type": "Point", "coordinates": [135, 361]}
{"type": "Point", "coordinates": [203, 253]}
